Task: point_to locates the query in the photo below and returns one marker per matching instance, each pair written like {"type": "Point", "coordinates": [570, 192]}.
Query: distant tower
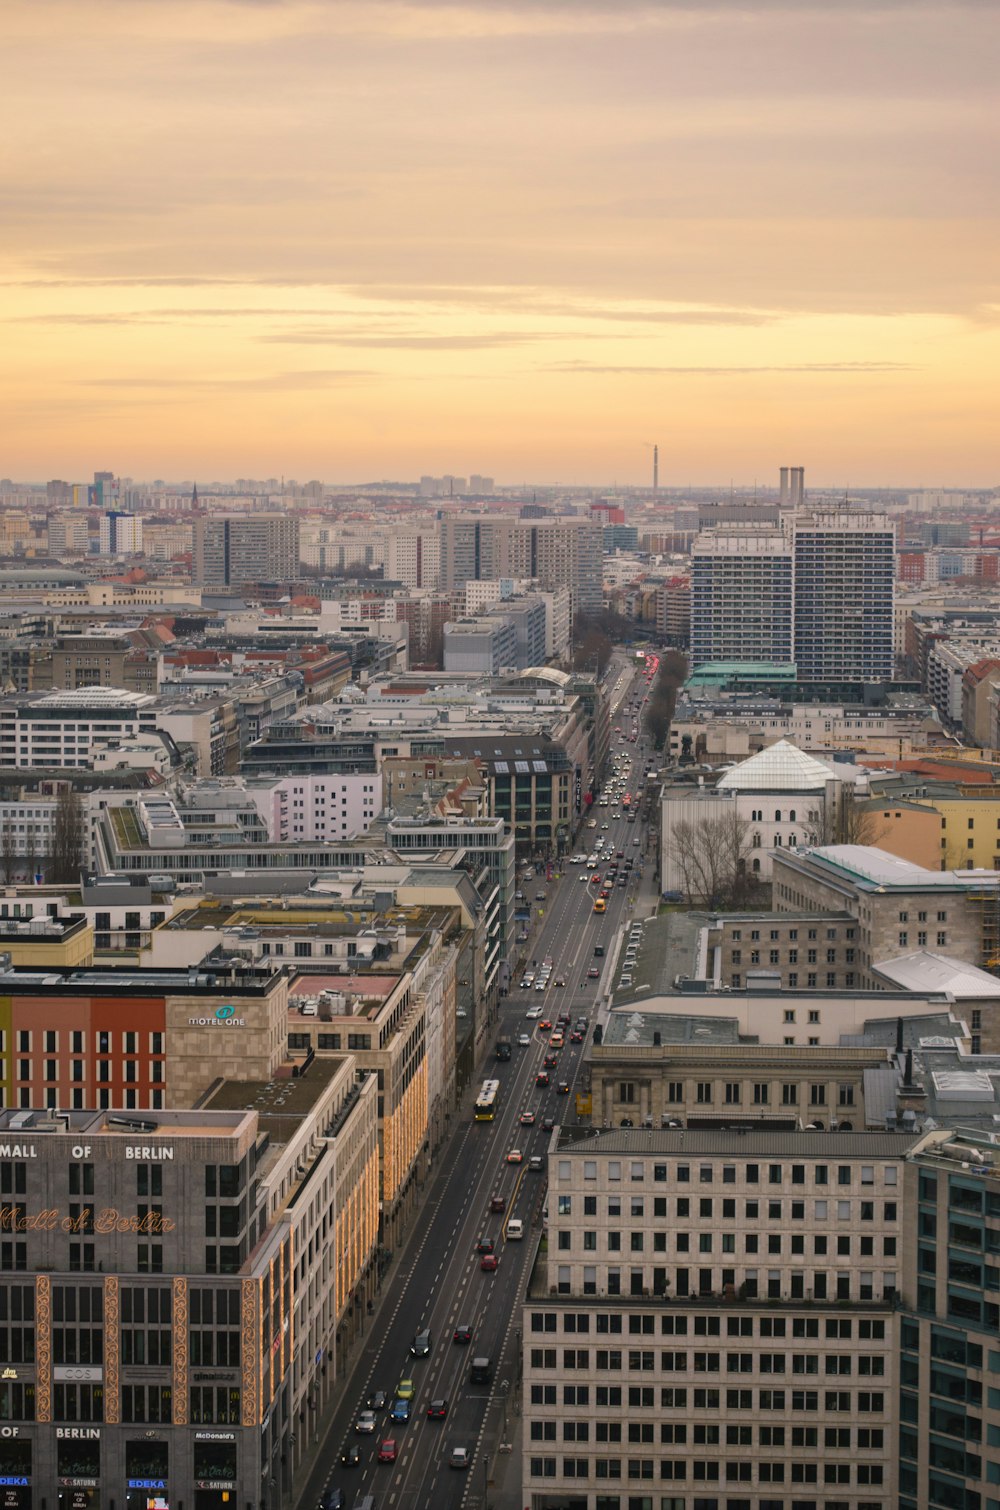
{"type": "Point", "coordinates": [797, 486]}
{"type": "Point", "coordinates": [783, 492]}
{"type": "Point", "coordinates": [656, 468]}
{"type": "Point", "coordinates": [194, 496]}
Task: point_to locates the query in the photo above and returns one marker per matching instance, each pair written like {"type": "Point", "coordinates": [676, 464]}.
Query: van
{"type": "Point", "coordinates": [515, 1229]}
{"type": "Point", "coordinates": [481, 1371]}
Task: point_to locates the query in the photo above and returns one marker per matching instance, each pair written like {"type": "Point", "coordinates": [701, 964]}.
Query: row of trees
{"type": "Point", "coordinates": [23, 855]}
{"type": "Point", "coordinates": [670, 677]}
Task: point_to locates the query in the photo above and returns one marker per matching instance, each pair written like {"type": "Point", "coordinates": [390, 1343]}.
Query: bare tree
{"type": "Point", "coordinates": [8, 852]}
{"type": "Point", "coordinates": [31, 855]}
{"type": "Point", "coordinates": [712, 855]}
{"type": "Point", "coordinates": [849, 820]}
{"type": "Point", "coordinates": [68, 838]}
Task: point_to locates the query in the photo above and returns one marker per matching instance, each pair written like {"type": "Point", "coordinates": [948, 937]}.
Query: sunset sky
{"type": "Point", "coordinates": [355, 239]}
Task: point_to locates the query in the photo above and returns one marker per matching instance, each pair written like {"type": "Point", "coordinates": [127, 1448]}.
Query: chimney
{"type": "Point", "coordinates": [899, 1035]}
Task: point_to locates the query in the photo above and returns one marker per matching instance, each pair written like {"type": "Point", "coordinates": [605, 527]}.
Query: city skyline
{"type": "Point", "coordinates": [358, 241]}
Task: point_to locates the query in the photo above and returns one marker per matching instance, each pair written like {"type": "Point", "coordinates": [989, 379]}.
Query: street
{"type": "Point", "coordinates": [437, 1281]}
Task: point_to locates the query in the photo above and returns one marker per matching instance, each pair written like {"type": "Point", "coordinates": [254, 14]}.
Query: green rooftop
{"type": "Point", "coordinates": [732, 673]}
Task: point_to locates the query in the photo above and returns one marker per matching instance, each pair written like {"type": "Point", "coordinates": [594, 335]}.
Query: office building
{"type": "Point", "coordinates": [67, 535]}
{"type": "Point", "coordinates": [844, 580]}
{"type": "Point", "coordinates": [741, 596]}
{"type": "Point", "coordinates": [556, 551]}
{"type": "Point", "coordinates": [245, 548]}
{"type": "Point", "coordinates": [413, 557]}
{"type": "Point", "coordinates": [483, 646]}
{"type": "Point", "coordinates": [705, 1291]}
{"type": "Point", "coordinates": [818, 591]}
{"type": "Point", "coordinates": [121, 534]}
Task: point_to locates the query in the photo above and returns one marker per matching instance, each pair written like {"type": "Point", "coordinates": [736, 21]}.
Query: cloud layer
{"type": "Point", "coordinates": [488, 198]}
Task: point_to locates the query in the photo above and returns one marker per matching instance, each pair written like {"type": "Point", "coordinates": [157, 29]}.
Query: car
{"type": "Point", "coordinates": [619, 854]}
{"type": "Point", "coordinates": [622, 881]}
{"type": "Point", "coordinates": [605, 825]}
{"type": "Point", "coordinates": [404, 1389]}
{"type": "Point", "coordinates": [515, 1156]}
{"type": "Point", "coordinates": [560, 980]}
{"type": "Point", "coordinates": [498, 1203]}
{"type": "Point", "coordinates": [387, 1450]}
{"type": "Point", "coordinates": [533, 1012]}
{"type": "Point", "coordinates": [562, 1089]}
{"type": "Point", "coordinates": [400, 1412]}
{"type": "Point", "coordinates": [527, 1119]}
{"type": "Point", "coordinates": [595, 879]}
{"type": "Point", "coordinates": [536, 1164]}
{"type": "Point", "coordinates": [604, 893]}
{"type": "Point", "coordinates": [636, 842]}
{"type": "Point", "coordinates": [460, 1457]}
{"type": "Point", "coordinates": [548, 1123]}
{"type": "Point", "coordinates": [539, 896]}
{"type": "Point", "coordinates": [541, 984]}
{"type": "Point", "coordinates": [377, 1400]}
{"type": "Point", "coordinates": [584, 879]}
{"type": "Point", "coordinates": [437, 1410]}
{"type": "Point", "coordinates": [593, 973]}
{"type": "Point", "coordinates": [365, 1424]}
{"type": "Point", "coordinates": [542, 1078]}
{"type": "Point", "coordinates": [485, 1244]}
{"type": "Point", "coordinates": [489, 1263]}
{"type": "Point", "coordinates": [332, 1499]}
{"type": "Point", "coordinates": [598, 951]}
{"type": "Point", "coordinates": [462, 1333]}
{"type": "Point", "coordinates": [550, 1061]}
{"type": "Point", "coordinates": [576, 1036]}
{"type": "Point", "coordinates": [625, 983]}
{"type": "Point", "coordinates": [556, 1041]}
{"type": "Point", "coordinates": [545, 1025]}
{"type": "Point", "coordinates": [524, 1040]}
{"type": "Point", "coordinates": [421, 1344]}
{"type": "Point", "coordinates": [351, 1455]}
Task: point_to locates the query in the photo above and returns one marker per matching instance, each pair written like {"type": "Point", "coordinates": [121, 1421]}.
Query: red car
{"type": "Point", "coordinates": [595, 879]}
{"type": "Point", "coordinates": [387, 1451]}
{"type": "Point", "coordinates": [593, 973]}
{"type": "Point", "coordinates": [489, 1261]}
{"type": "Point", "coordinates": [545, 1026]}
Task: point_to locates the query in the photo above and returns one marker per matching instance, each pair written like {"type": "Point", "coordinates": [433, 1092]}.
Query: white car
{"type": "Point", "coordinates": [533, 1012]}
{"type": "Point", "coordinates": [524, 1040]}
{"type": "Point", "coordinates": [584, 878]}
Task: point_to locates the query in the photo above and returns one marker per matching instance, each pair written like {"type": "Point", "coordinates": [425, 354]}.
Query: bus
{"type": "Point", "coordinates": [486, 1101]}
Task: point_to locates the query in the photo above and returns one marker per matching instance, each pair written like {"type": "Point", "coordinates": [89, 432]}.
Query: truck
{"type": "Point", "coordinates": [502, 1049]}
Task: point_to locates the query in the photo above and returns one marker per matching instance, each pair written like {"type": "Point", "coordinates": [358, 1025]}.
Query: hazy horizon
{"type": "Point", "coordinates": [523, 238]}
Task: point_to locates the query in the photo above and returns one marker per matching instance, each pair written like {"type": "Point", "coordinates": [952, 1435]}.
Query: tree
{"type": "Point", "coordinates": [8, 852]}
{"type": "Point", "coordinates": [594, 647]}
{"type": "Point", "coordinates": [712, 855]}
{"type": "Point", "coordinates": [849, 820]}
{"type": "Point", "coordinates": [68, 838]}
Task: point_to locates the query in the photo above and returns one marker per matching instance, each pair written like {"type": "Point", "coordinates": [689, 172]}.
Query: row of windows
{"type": "Point", "coordinates": [707, 1470]}
{"type": "Point", "coordinates": [28, 1097]}
{"type": "Point", "coordinates": [646, 1360]}
{"type": "Point", "coordinates": [760, 1095]}
{"type": "Point", "coordinates": [673, 1397]}
{"type": "Point", "coordinates": [47, 1041]}
{"type": "Point", "coordinates": [729, 1174]}
{"type": "Point", "coordinates": [777, 1285]}
{"type": "Point", "coordinates": [870, 1329]}
{"type": "Point", "coordinates": [773, 1244]}
{"type": "Point", "coordinates": [709, 1208]}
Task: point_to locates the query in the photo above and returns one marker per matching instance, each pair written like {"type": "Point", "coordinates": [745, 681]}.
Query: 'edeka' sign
{"type": "Point", "coordinates": [223, 1017]}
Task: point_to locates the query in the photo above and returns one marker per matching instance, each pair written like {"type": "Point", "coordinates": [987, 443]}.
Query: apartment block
{"type": "Point", "coordinates": [245, 548]}
{"type": "Point", "coordinates": [705, 1291]}
{"type": "Point", "coordinates": [741, 596]}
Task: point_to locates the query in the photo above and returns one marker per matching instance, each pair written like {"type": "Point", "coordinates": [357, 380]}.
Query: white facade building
{"type": "Point", "coordinates": [328, 807]}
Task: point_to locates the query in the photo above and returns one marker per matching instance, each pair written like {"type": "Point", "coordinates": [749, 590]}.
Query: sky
{"type": "Point", "coordinates": [361, 239]}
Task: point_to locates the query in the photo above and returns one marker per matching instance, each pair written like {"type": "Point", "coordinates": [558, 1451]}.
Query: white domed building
{"type": "Point", "coordinates": [783, 796]}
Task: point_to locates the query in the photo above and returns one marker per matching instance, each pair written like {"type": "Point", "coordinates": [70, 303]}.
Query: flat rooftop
{"type": "Point", "coordinates": [281, 1103]}
{"type": "Point", "coordinates": [586, 1142]}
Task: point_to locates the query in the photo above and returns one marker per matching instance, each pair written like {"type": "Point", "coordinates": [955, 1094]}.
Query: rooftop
{"type": "Point", "coordinates": [923, 971]}
{"type": "Point", "coordinates": [782, 767]}
{"type": "Point", "coordinates": [586, 1142]}
{"type": "Point", "coordinates": [281, 1104]}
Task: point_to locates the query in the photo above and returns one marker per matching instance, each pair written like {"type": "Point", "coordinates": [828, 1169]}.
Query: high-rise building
{"type": "Point", "coordinates": [844, 580]}
{"type": "Point", "coordinates": [67, 535]}
{"type": "Point", "coordinates": [121, 534]}
{"type": "Point", "coordinates": [245, 548]}
{"type": "Point", "coordinates": [817, 591]}
{"type": "Point", "coordinates": [554, 551]}
{"type": "Point", "coordinates": [413, 557]}
{"type": "Point", "coordinates": [741, 596]}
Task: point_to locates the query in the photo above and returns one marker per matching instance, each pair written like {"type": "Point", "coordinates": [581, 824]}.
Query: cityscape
{"type": "Point", "coordinates": [499, 727]}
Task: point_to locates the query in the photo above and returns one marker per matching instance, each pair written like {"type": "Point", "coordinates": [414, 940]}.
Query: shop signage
{"type": "Point", "coordinates": [224, 1017]}
{"type": "Point", "coordinates": [12, 1481]}
{"type": "Point", "coordinates": [153, 1151]}
{"type": "Point", "coordinates": [10, 1431]}
{"type": "Point", "coordinates": [215, 1483]}
{"type": "Point", "coordinates": [78, 1433]}
{"type": "Point", "coordinates": [78, 1483]}
{"type": "Point", "coordinates": [146, 1483]}
{"type": "Point", "coordinates": [214, 1379]}
{"type": "Point", "coordinates": [17, 1151]}
{"type": "Point", "coordinates": [9, 1373]}
{"type": "Point", "coordinates": [214, 1436]}
{"type": "Point", "coordinates": [81, 1372]}
{"type": "Point", "coordinates": [103, 1222]}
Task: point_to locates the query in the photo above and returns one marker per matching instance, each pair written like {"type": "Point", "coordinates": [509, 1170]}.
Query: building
{"type": "Point", "coordinates": [783, 796]}
{"type": "Point", "coordinates": [741, 596]}
{"type": "Point", "coordinates": [844, 582]}
{"type": "Point", "coordinates": [558, 551]}
{"type": "Point", "coordinates": [153, 1361]}
{"type": "Point", "coordinates": [231, 549]}
{"type": "Point", "coordinates": [705, 1291]}
{"type": "Point", "coordinates": [482, 646]}
{"type": "Point", "coordinates": [120, 534]}
{"type": "Point", "coordinates": [413, 557]}
{"type": "Point", "coordinates": [68, 535]}
{"type": "Point", "coordinates": [818, 590]}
